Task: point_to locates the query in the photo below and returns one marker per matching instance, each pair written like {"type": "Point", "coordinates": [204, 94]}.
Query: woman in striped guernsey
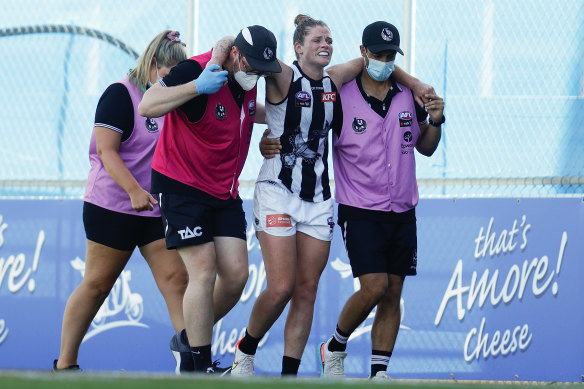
{"type": "Point", "coordinates": [293, 210]}
{"type": "Point", "coordinates": [293, 213]}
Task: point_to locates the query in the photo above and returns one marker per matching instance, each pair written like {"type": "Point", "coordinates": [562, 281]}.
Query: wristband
{"type": "Point", "coordinates": [438, 123]}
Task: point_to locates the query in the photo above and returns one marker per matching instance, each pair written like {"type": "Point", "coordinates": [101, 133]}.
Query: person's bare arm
{"type": "Point", "coordinates": [430, 135]}
{"type": "Point", "coordinates": [345, 72]}
{"type": "Point", "coordinates": [420, 89]}
{"type": "Point", "coordinates": [269, 147]}
{"type": "Point", "coordinates": [159, 100]}
{"type": "Point", "coordinates": [221, 50]}
{"type": "Point", "coordinates": [278, 84]}
{"type": "Point", "coordinates": [260, 115]}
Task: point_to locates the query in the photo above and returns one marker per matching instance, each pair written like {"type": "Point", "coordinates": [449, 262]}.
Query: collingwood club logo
{"type": "Point", "coordinates": [386, 34]}
{"type": "Point", "coordinates": [151, 125]}
{"type": "Point", "coordinates": [220, 111]}
{"type": "Point", "coordinates": [359, 125]}
{"type": "Point", "coordinates": [268, 53]}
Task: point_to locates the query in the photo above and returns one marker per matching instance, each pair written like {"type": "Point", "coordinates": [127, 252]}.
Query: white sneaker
{"type": "Point", "coordinates": [242, 363]}
{"type": "Point", "coordinates": [331, 362]}
{"type": "Point", "coordinates": [380, 376]}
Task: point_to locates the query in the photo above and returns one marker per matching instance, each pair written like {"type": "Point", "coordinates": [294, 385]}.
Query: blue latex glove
{"type": "Point", "coordinates": [209, 81]}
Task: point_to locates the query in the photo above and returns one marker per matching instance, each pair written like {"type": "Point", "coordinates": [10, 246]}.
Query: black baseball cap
{"type": "Point", "coordinates": [258, 45]}
{"type": "Point", "coordinates": [381, 36]}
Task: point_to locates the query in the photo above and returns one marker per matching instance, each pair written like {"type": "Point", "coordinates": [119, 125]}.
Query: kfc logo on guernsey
{"type": "Point", "coordinates": [328, 96]}
{"type": "Point", "coordinates": [405, 119]}
{"type": "Point", "coordinates": [303, 99]}
{"type": "Point", "coordinates": [281, 220]}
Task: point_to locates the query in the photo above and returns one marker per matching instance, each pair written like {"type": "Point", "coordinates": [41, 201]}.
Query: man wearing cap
{"type": "Point", "coordinates": [376, 189]}
{"type": "Point", "coordinates": [197, 162]}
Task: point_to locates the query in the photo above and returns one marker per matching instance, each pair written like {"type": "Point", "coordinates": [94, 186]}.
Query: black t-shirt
{"type": "Point", "coordinates": [187, 71]}
{"type": "Point", "coordinates": [115, 110]}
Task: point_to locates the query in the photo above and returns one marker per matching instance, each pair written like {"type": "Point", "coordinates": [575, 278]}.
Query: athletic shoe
{"type": "Point", "coordinates": [179, 345]}
{"type": "Point", "coordinates": [380, 376]}
{"type": "Point", "coordinates": [242, 363]}
{"type": "Point", "coordinates": [331, 362]}
{"type": "Point", "coordinates": [72, 368]}
{"type": "Point", "coordinates": [216, 369]}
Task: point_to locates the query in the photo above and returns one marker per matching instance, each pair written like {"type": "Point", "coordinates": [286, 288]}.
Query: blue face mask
{"type": "Point", "coordinates": [379, 70]}
{"type": "Point", "coordinates": [158, 78]}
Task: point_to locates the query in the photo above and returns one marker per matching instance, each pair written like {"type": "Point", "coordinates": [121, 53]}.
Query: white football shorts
{"type": "Point", "coordinates": [279, 212]}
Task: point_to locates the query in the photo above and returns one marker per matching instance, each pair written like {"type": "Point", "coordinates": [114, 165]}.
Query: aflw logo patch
{"type": "Point", "coordinates": [405, 119]}
{"type": "Point", "coordinates": [328, 96]}
{"type": "Point", "coordinates": [281, 220]}
{"type": "Point", "coordinates": [303, 99]}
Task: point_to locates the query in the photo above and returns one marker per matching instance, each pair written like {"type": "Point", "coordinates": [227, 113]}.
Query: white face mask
{"type": "Point", "coordinates": [379, 70]}
{"type": "Point", "coordinates": [246, 81]}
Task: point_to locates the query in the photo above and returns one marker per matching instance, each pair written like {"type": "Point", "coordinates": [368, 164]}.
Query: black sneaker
{"type": "Point", "coordinates": [179, 345]}
{"type": "Point", "coordinates": [215, 369]}
{"type": "Point", "coordinates": [72, 368]}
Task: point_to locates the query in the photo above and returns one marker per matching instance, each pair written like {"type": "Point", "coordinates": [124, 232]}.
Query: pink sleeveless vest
{"type": "Point", "coordinates": [208, 155]}
{"type": "Point", "coordinates": [373, 158]}
{"type": "Point", "coordinates": [136, 152]}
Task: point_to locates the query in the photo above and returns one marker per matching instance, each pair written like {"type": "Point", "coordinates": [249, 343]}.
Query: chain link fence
{"type": "Point", "coordinates": [511, 74]}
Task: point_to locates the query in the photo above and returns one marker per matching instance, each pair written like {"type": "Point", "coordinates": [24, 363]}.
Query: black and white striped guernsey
{"type": "Point", "coordinates": [302, 121]}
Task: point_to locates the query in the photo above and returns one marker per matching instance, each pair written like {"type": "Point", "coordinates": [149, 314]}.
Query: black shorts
{"type": "Point", "coordinates": [380, 246]}
{"type": "Point", "coordinates": [198, 219]}
{"type": "Point", "coordinates": [118, 230]}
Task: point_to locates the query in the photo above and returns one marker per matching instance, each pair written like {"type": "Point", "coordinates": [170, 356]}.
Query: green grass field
{"type": "Point", "coordinates": [46, 380]}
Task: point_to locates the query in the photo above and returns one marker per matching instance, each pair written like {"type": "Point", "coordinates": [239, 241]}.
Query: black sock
{"type": "Point", "coordinates": [249, 344]}
{"type": "Point", "coordinates": [339, 340]}
{"type": "Point", "coordinates": [202, 357]}
{"type": "Point", "coordinates": [290, 365]}
{"type": "Point", "coordinates": [379, 361]}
